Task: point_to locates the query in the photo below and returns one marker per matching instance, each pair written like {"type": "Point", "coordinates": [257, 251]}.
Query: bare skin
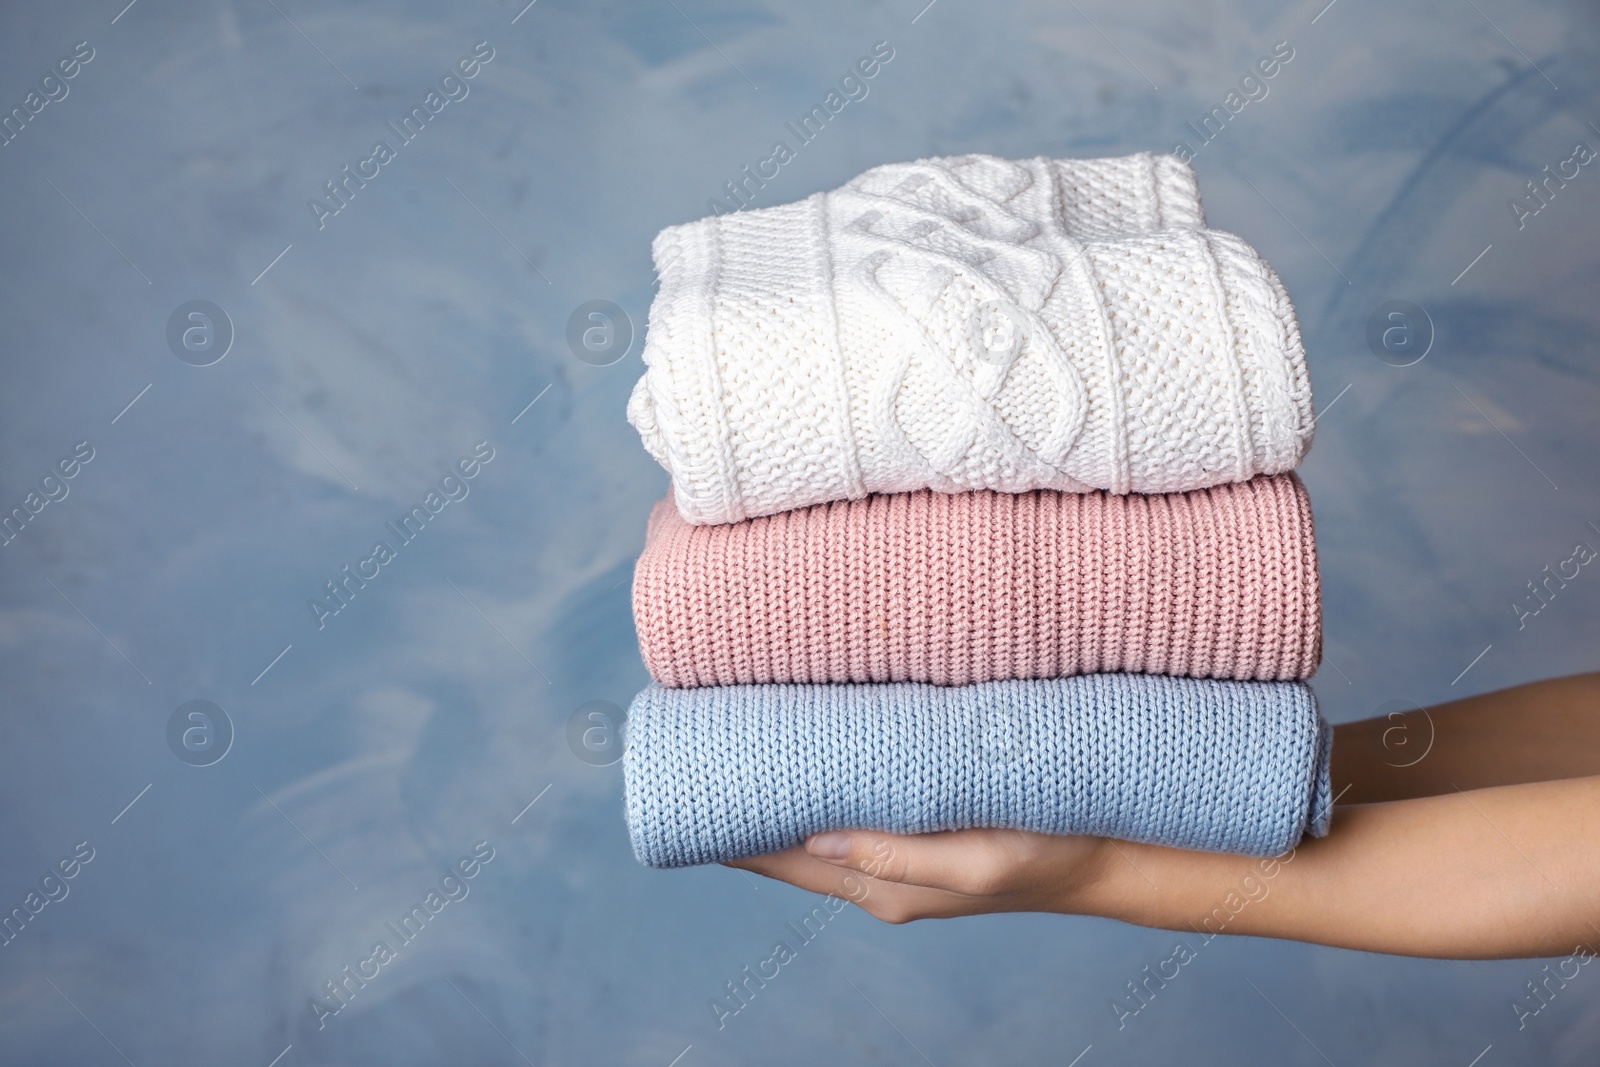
{"type": "Point", "coordinates": [1481, 848]}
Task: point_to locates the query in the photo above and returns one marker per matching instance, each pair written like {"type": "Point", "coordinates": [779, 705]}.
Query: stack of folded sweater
{"type": "Point", "coordinates": [981, 515]}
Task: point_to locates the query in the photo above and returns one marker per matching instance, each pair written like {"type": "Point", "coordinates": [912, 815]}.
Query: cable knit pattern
{"type": "Point", "coordinates": [973, 587]}
{"type": "Point", "coordinates": [967, 323]}
{"type": "Point", "coordinates": [720, 773]}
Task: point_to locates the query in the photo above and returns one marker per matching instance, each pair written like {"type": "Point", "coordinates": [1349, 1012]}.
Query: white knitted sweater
{"type": "Point", "coordinates": [968, 323]}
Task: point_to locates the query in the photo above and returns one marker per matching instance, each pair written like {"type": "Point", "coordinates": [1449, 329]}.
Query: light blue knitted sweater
{"type": "Point", "coordinates": [723, 772]}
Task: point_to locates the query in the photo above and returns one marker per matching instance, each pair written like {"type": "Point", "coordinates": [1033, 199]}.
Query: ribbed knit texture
{"type": "Point", "coordinates": [974, 587]}
{"type": "Point", "coordinates": [960, 324]}
{"type": "Point", "coordinates": [720, 773]}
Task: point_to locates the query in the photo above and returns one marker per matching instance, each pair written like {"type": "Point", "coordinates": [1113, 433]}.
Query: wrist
{"type": "Point", "coordinates": [1092, 882]}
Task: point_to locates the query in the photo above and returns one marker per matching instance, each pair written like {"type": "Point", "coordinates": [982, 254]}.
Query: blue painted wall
{"type": "Point", "coordinates": [375, 347]}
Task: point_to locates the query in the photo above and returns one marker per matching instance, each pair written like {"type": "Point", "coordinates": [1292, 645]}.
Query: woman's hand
{"type": "Point", "coordinates": [1475, 842]}
{"type": "Point", "coordinates": [1491, 873]}
{"type": "Point", "coordinates": [898, 877]}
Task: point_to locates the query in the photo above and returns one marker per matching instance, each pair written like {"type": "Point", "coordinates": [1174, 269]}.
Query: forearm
{"type": "Point", "coordinates": [1530, 733]}
{"type": "Point", "coordinates": [1500, 872]}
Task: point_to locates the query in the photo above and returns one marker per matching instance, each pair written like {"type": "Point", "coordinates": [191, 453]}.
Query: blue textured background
{"type": "Point", "coordinates": [379, 749]}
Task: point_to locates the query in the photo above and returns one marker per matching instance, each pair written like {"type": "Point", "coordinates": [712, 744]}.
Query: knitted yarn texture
{"type": "Point", "coordinates": [972, 587]}
{"type": "Point", "coordinates": [719, 773]}
{"type": "Point", "coordinates": [967, 323]}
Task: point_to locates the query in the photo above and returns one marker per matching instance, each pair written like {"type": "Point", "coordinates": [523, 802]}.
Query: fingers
{"type": "Point", "coordinates": [889, 901]}
{"type": "Point", "coordinates": [797, 868]}
{"type": "Point", "coordinates": [898, 877]}
{"type": "Point", "coordinates": [975, 863]}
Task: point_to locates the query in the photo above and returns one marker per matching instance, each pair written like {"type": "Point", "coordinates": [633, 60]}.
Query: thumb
{"type": "Point", "coordinates": [970, 862]}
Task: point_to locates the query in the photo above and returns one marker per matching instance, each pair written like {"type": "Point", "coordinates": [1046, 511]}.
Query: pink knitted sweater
{"type": "Point", "coordinates": [960, 588]}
